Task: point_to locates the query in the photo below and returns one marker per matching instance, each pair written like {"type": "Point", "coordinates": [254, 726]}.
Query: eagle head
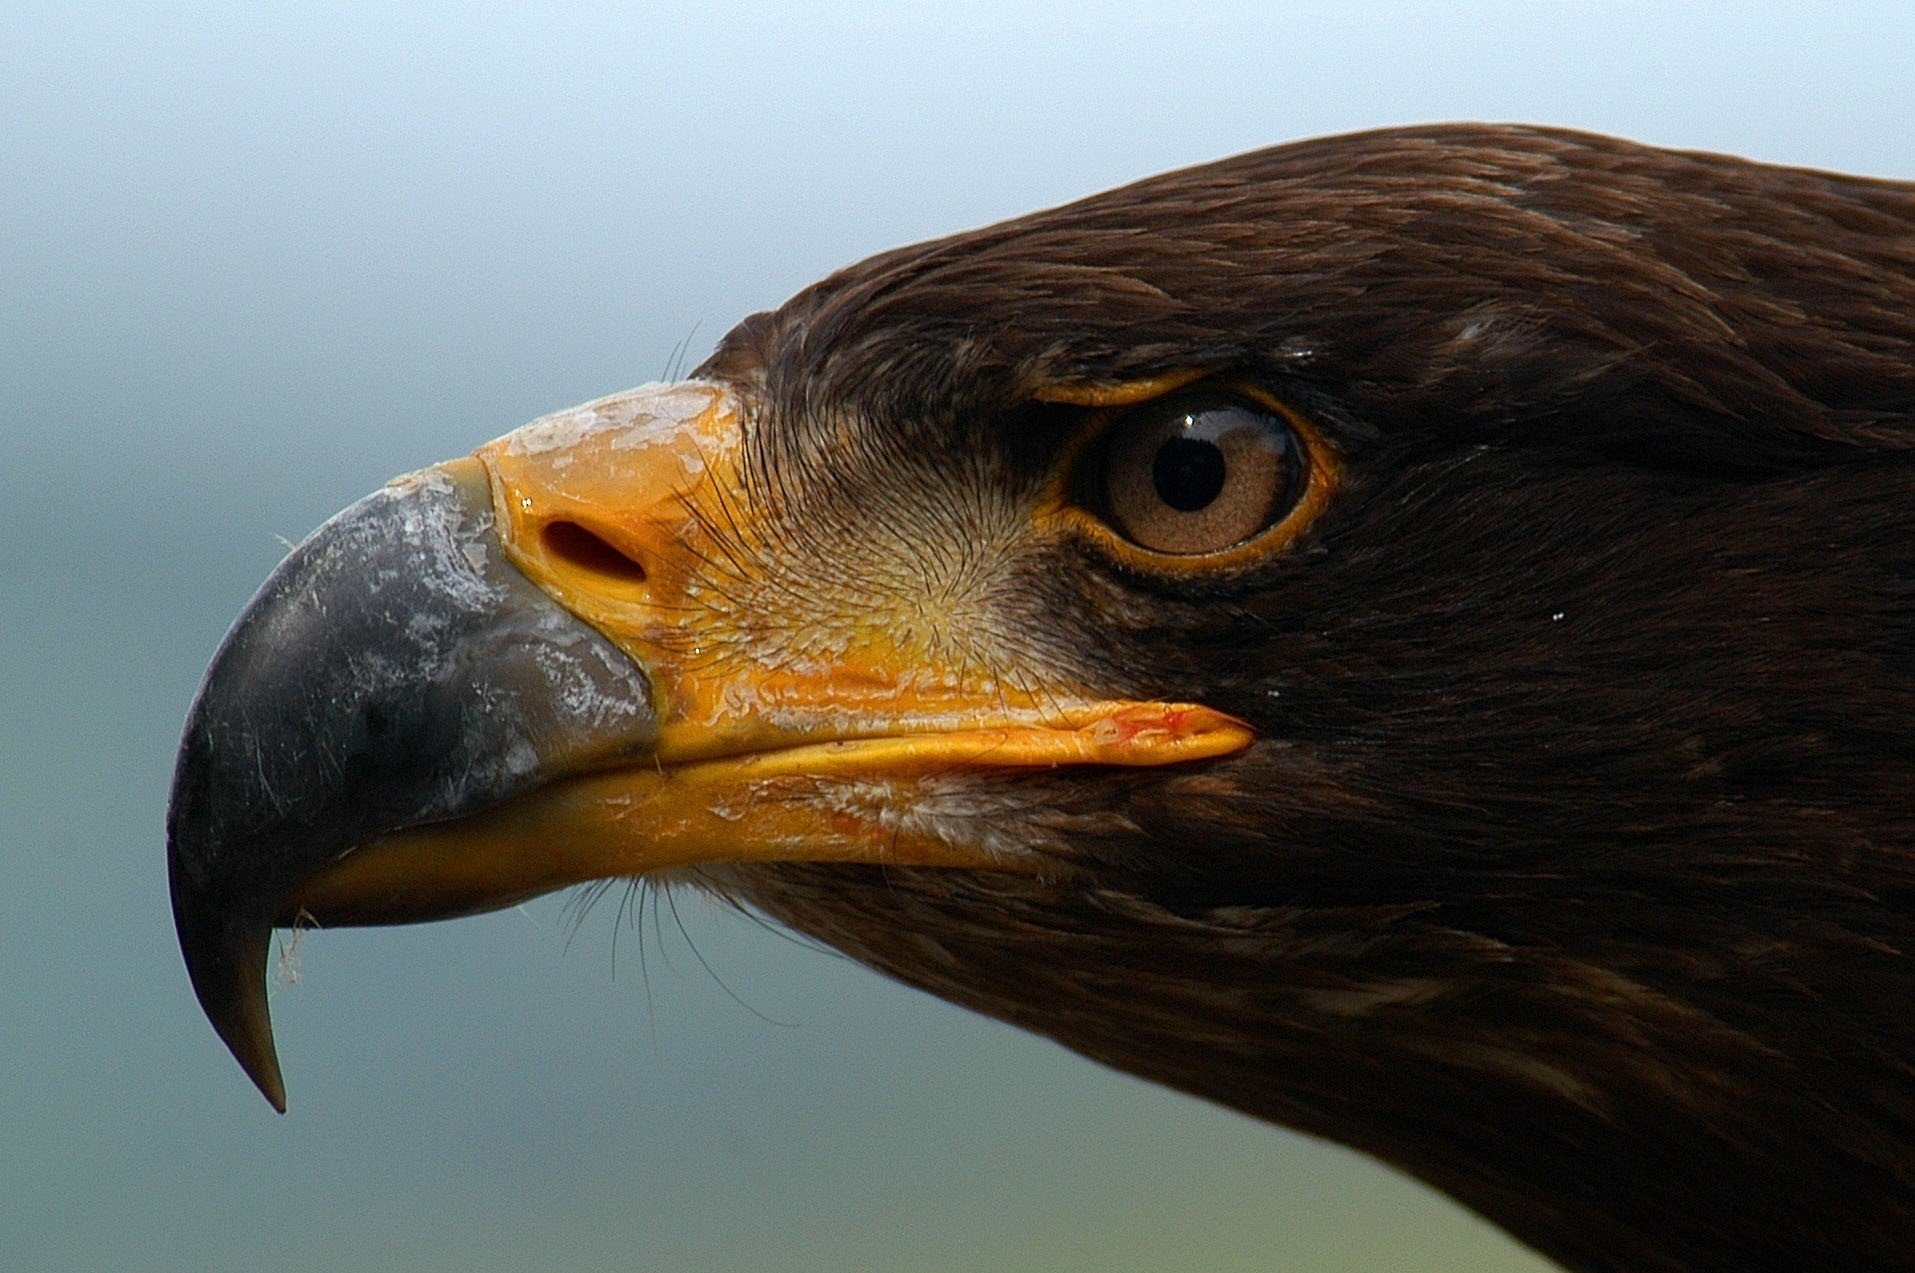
{"type": "Point", "coordinates": [1410, 636]}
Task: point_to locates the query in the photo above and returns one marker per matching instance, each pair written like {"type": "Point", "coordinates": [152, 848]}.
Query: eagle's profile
{"type": "Point", "coordinates": [1410, 636]}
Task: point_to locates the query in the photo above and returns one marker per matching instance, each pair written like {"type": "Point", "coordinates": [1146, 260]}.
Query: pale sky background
{"type": "Point", "coordinates": [256, 258]}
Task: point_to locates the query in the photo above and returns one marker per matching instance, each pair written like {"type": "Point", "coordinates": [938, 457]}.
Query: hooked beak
{"type": "Point", "coordinates": [486, 681]}
{"type": "Point", "coordinates": [394, 670]}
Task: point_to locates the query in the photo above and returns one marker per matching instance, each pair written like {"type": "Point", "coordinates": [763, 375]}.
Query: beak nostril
{"type": "Point", "coordinates": [584, 549]}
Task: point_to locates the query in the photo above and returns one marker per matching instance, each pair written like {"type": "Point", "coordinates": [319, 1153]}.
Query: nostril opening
{"type": "Point", "coordinates": [573, 544]}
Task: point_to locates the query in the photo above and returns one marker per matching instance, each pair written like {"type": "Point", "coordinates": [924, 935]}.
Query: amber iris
{"type": "Point", "coordinates": [1199, 472]}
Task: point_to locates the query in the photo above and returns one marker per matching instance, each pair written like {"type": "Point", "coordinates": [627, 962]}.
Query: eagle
{"type": "Point", "coordinates": [1409, 636]}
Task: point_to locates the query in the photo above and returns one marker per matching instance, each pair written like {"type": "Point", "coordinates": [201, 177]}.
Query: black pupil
{"type": "Point", "coordinates": [1189, 473]}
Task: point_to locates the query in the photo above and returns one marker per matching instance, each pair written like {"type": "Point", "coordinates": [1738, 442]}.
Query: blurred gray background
{"type": "Point", "coordinates": [256, 258]}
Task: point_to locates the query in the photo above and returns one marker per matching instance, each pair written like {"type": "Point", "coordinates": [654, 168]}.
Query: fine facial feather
{"type": "Point", "coordinates": [1572, 872]}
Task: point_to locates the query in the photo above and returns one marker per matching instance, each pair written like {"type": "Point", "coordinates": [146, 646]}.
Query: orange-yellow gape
{"type": "Point", "coordinates": [794, 725]}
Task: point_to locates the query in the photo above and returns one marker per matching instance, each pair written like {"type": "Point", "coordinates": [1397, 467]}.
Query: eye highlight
{"type": "Point", "coordinates": [1196, 473]}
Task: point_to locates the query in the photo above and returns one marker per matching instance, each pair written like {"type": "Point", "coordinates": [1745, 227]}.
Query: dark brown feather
{"type": "Point", "coordinates": [1574, 871]}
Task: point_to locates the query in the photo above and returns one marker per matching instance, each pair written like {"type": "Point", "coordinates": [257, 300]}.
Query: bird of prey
{"type": "Point", "coordinates": [1409, 635]}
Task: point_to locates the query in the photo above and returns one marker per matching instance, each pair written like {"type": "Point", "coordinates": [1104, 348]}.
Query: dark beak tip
{"type": "Point", "coordinates": [254, 1051]}
{"type": "Point", "coordinates": [226, 962]}
{"type": "Point", "coordinates": [237, 1007]}
{"type": "Point", "coordinates": [270, 1085]}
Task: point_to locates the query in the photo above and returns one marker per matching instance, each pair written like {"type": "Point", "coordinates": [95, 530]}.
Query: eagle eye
{"type": "Point", "coordinates": [1192, 474]}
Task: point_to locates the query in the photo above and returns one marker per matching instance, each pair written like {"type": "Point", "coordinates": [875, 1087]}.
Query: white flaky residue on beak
{"type": "Point", "coordinates": [648, 416]}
